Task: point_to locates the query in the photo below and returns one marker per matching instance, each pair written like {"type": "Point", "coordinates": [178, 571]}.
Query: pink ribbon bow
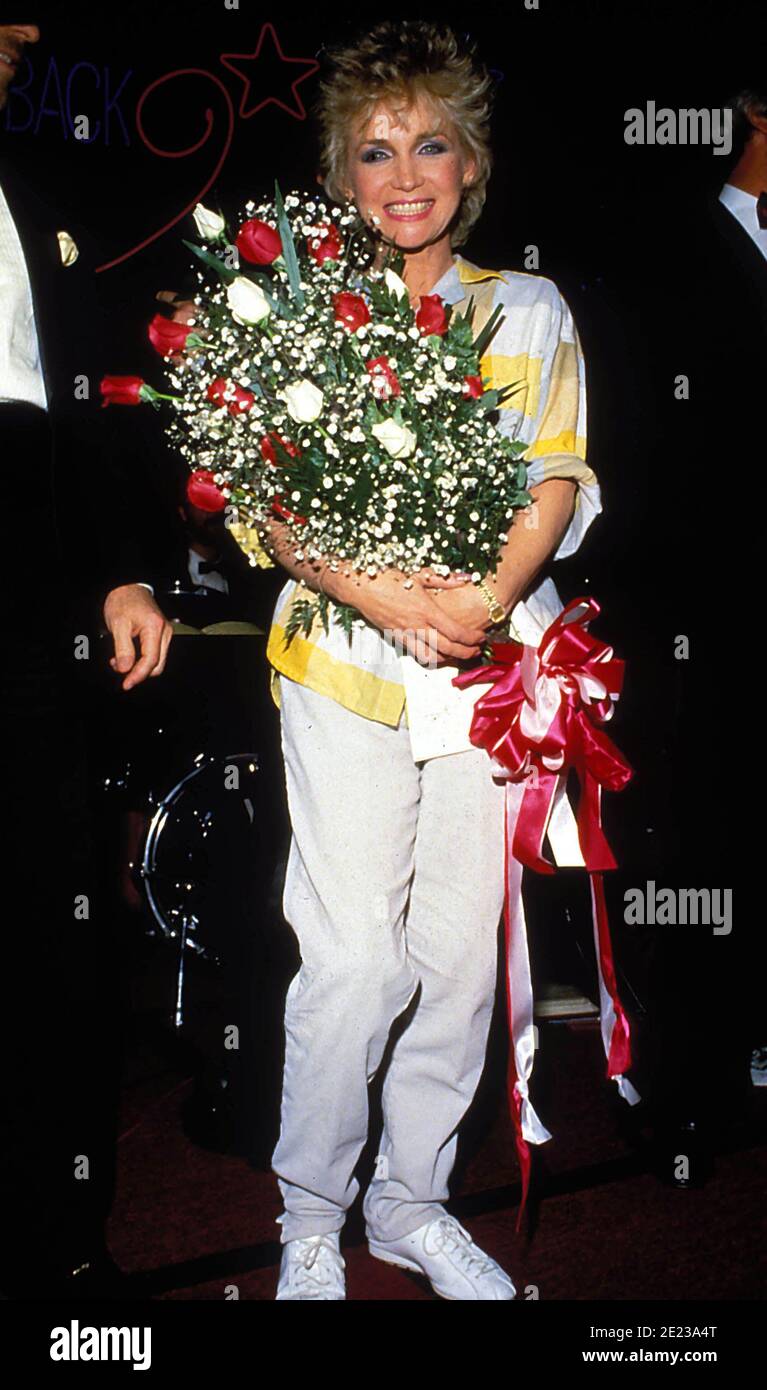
{"type": "Point", "coordinates": [540, 719]}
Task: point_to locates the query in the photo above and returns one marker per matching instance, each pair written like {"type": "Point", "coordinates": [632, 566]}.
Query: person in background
{"type": "Point", "coordinates": [700, 341]}
{"type": "Point", "coordinates": [60, 1038]}
{"type": "Point", "coordinates": [207, 560]}
{"type": "Point", "coordinates": [742, 223]}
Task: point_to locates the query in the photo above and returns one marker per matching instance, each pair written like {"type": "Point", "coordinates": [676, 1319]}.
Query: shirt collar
{"type": "Point", "coordinates": [451, 286]}
{"type": "Point", "coordinates": [738, 200]}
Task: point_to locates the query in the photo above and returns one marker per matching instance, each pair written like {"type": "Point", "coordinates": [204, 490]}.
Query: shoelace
{"type": "Point", "coordinates": [313, 1272]}
{"type": "Point", "coordinates": [450, 1237]}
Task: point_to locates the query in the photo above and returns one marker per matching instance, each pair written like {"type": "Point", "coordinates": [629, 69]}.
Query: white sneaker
{"type": "Point", "coordinates": [447, 1255]}
{"type": "Point", "coordinates": [312, 1267]}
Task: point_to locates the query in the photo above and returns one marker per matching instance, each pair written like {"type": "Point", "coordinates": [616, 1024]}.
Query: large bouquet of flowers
{"type": "Point", "coordinates": [309, 389]}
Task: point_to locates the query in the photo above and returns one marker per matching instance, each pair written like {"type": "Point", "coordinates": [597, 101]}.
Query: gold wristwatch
{"type": "Point", "coordinates": [497, 610]}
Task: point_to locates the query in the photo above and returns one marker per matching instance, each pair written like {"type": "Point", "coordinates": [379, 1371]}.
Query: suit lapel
{"type": "Point", "coordinates": [740, 245]}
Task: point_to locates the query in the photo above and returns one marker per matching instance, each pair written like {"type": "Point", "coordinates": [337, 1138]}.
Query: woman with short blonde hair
{"type": "Point", "coordinates": [395, 876]}
{"type": "Point", "coordinates": [429, 63]}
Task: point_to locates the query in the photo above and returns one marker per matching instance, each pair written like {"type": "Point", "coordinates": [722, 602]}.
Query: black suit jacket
{"type": "Point", "coordinates": [681, 549]}
{"type": "Point", "coordinates": [99, 534]}
{"type": "Point", "coordinates": [252, 591]}
{"type": "Point", "coordinates": [715, 333]}
{"type": "Point", "coordinates": [739, 259]}
{"type": "Point", "coordinates": [709, 516]}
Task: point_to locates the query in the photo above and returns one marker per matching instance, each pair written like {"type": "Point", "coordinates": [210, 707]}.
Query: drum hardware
{"type": "Point", "coordinates": [172, 866]}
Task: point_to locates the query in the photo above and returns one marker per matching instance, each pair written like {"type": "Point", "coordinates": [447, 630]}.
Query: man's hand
{"type": "Point", "coordinates": [130, 612]}
{"type": "Point", "coordinates": [184, 310]}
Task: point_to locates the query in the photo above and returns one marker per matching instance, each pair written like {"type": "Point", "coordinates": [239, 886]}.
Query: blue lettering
{"type": "Point", "coordinates": [18, 92]}
{"type": "Point", "coordinates": [52, 78]}
{"type": "Point", "coordinates": [109, 105]}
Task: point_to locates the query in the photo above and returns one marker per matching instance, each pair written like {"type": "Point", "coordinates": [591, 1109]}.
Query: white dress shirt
{"type": "Point", "coordinates": [21, 375]}
{"type": "Point", "coordinates": [213, 579]}
{"type": "Point", "coordinates": [742, 205]}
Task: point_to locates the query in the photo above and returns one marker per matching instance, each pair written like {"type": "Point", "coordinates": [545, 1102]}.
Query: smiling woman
{"type": "Point", "coordinates": [395, 879]}
{"type": "Point", "coordinates": [438, 100]}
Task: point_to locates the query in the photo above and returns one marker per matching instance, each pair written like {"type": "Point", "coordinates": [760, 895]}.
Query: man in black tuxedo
{"type": "Point", "coordinates": [60, 1044]}
{"type": "Point", "coordinates": [679, 387]}
{"type": "Point", "coordinates": [707, 322]}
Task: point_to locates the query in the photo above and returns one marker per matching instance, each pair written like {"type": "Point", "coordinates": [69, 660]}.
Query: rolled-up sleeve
{"type": "Point", "coordinates": [553, 419]}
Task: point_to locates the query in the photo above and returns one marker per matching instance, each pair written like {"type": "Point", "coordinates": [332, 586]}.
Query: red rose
{"type": "Point", "coordinates": [268, 450]}
{"type": "Point", "coordinates": [258, 242]}
{"type": "Point", "coordinates": [166, 336]}
{"type": "Point", "coordinates": [472, 387]}
{"type": "Point", "coordinates": [283, 511]}
{"type": "Point", "coordinates": [431, 316]}
{"type": "Point", "coordinates": [327, 247]}
{"type": "Point", "coordinates": [202, 492]}
{"type": "Point", "coordinates": [243, 400]}
{"type": "Point", "coordinates": [121, 390]}
{"type": "Point", "coordinates": [351, 309]}
{"type": "Point", "coordinates": [385, 382]}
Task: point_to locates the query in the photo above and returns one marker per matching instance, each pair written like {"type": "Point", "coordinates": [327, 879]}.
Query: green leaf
{"type": "Point", "coordinates": [510, 390]}
{"type": "Point", "coordinates": [489, 331]}
{"type": "Point", "coordinates": [345, 616]}
{"type": "Point", "coordinates": [288, 248]}
{"type": "Point", "coordinates": [468, 314]}
{"type": "Point", "coordinates": [301, 619]}
{"type": "Point", "coordinates": [459, 334]}
{"type": "Point", "coordinates": [212, 261]}
{"type": "Point", "coordinates": [488, 400]}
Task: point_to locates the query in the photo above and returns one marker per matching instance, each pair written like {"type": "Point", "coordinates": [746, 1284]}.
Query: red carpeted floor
{"type": "Point", "coordinates": [195, 1224]}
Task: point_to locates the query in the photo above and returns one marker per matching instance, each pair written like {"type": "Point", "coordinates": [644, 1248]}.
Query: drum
{"type": "Point", "coordinates": [205, 859]}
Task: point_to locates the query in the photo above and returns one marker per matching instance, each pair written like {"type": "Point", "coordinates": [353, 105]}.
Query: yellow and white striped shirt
{"type": "Point", "coordinates": [537, 344]}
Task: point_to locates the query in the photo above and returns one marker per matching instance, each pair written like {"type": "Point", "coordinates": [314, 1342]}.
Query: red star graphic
{"type": "Point", "coordinates": [309, 64]}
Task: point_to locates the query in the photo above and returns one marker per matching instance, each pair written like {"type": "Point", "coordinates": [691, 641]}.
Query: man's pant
{"type": "Point", "coordinates": [60, 1006]}
{"type": "Point", "coordinates": [394, 880]}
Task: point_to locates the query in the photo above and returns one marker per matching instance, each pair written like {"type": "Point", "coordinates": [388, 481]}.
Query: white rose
{"type": "Point", "coordinates": [209, 224]}
{"type": "Point", "coordinates": [304, 401]}
{"type": "Point", "coordinates": [394, 285]}
{"type": "Point", "coordinates": [397, 440]}
{"type": "Point", "coordinates": [247, 301]}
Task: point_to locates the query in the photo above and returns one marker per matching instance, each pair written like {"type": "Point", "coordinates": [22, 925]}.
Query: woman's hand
{"type": "Point", "coordinates": [413, 616]}
{"type": "Point", "coordinates": [465, 605]}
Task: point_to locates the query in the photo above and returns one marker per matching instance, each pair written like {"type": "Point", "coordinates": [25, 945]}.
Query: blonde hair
{"type": "Point", "coordinates": [405, 60]}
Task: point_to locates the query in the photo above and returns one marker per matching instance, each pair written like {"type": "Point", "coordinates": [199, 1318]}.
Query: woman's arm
{"type": "Point", "coordinates": [532, 538]}
{"type": "Point", "coordinates": [280, 542]}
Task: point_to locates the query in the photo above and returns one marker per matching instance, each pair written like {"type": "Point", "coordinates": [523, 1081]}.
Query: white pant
{"type": "Point", "coordinates": [394, 878]}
